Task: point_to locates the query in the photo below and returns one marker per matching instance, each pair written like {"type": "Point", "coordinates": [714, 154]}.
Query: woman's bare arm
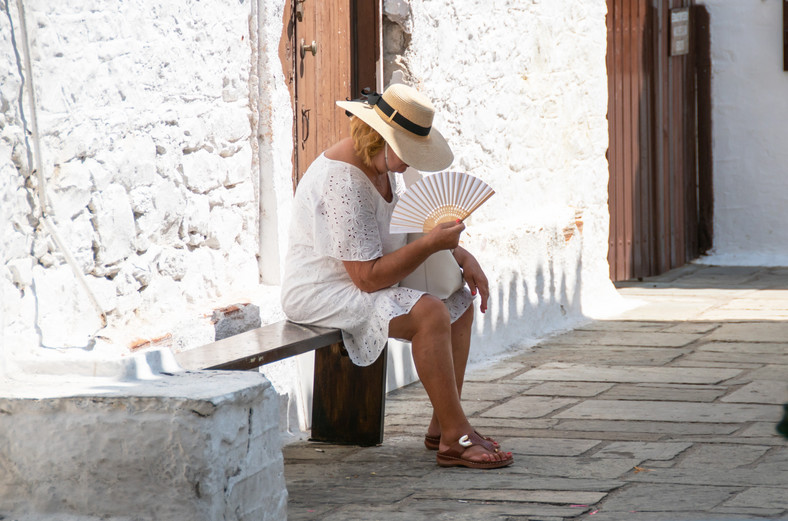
{"type": "Point", "coordinates": [385, 271]}
{"type": "Point", "coordinates": [474, 275]}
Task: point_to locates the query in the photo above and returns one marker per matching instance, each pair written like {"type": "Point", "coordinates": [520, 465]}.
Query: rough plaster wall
{"type": "Point", "coordinates": [146, 113]}
{"type": "Point", "coordinates": [749, 108]}
{"type": "Point", "coordinates": [521, 94]}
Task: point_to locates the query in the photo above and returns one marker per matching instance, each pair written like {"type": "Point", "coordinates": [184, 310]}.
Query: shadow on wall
{"type": "Point", "coordinates": [522, 311]}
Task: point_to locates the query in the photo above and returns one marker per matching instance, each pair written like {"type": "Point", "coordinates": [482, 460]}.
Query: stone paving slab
{"type": "Point", "coordinates": [693, 327]}
{"type": "Point", "coordinates": [717, 356]}
{"type": "Point", "coordinates": [671, 411]}
{"type": "Point", "coordinates": [558, 497]}
{"type": "Point", "coordinates": [684, 362]}
{"type": "Point", "coordinates": [625, 325]}
{"type": "Point", "coordinates": [768, 391]}
{"type": "Point", "coordinates": [669, 498]}
{"type": "Point", "coordinates": [529, 407]}
{"type": "Point", "coordinates": [758, 429]}
{"type": "Point", "coordinates": [519, 479]}
{"type": "Point", "coordinates": [771, 372]}
{"type": "Point", "coordinates": [740, 478]}
{"type": "Point", "coordinates": [643, 450]}
{"type": "Point", "coordinates": [776, 332]}
{"type": "Point", "coordinates": [484, 391]}
{"type": "Point", "coordinates": [753, 348]}
{"type": "Point", "coordinates": [423, 408]}
{"type": "Point", "coordinates": [615, 355]}
{"type": "Point", "coordinates": [659, 428]}
{"type": "Point", "coordinates": [674, 392]}
{"type": "Point", "coordinates": [622, 338]}
{"type": "Point", "coordinates": [745, 314]}
{"type": "Point", "coordinates": [577, 467]}
{"type": "Point", "coordinates": [627, 374]}
{"type": "Point", "coordinates": [604, 515]}
{"type": "Point", "coordinates": [759, 497]}
{"type": "Point", "coordinates": [461, 510]}
{"type": "Point", "coordinates": [548, 446]}
{"type": "Point", "coordinates": [722, 456]}
{"type": "Point", "coordinates": [584, 389]}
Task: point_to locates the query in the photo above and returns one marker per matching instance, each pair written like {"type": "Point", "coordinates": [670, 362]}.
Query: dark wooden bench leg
{"type": "Point", "coordinates": [348, 401]}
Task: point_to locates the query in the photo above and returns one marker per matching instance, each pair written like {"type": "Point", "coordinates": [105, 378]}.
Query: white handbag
{"type": "Point", "coordinates": [439, 275]}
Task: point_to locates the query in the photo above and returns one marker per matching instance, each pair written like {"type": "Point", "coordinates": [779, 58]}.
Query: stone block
{"type": "Point", "coordinates": [96, 447]}
{"type": "Point", "coordinates": [235, 319]}
{"type": "Point", "coordinates": [65, 316]}
{"type": "Point", "coordinates": [114, 222]}
{"type": "Point", "coordinates": [203, 171]}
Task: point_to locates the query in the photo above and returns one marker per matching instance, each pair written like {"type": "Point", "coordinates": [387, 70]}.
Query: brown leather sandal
{"type": "Point", "coordinates": [453, 456]}
{"type": "Point", "coordinates": [434, 442]}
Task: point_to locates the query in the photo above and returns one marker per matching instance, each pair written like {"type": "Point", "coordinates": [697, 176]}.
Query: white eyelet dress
{"type": "Point", "coordinates": [338, 215]}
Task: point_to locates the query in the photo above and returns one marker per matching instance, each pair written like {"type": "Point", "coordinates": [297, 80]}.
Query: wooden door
{"type": "Point", "coordinates": [329, 52]}
{"type": "Point", "coordinates": [659, 191]}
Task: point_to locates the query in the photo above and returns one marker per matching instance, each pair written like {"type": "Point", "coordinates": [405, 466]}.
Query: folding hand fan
{"type": "Point", "coordinates": [438, 198]}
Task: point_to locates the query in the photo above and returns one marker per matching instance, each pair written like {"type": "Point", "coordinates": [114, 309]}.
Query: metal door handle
{"type": "Point", "coordinates": [308, 48]}
{"type": "Point", "coordinates": [304, 126]}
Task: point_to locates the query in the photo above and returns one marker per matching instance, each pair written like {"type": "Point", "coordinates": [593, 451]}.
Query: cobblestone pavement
{"type": "Point", "coordinates": [665, 413]}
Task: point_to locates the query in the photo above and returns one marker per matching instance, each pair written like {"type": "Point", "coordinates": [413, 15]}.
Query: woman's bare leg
{"type": "Point", "coordinates": [428, 328]}
{"type": "Point", "coordinates": [460, 348]}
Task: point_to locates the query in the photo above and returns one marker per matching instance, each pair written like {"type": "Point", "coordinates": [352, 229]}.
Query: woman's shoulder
{"type": "Point", "coordinates": [325, 172]}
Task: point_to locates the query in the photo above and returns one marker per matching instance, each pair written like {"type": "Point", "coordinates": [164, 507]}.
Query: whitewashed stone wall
{"type": "Point", "coordinates": [521, 91]}
{"type": "Point", "coordinates": [154, 146]}
{"type": "Point", "coordinates": [749, 109]}
{"type": "Point", "coordinates": [165, 132]}
{"type": "Point", "coordinates": [149, 115]}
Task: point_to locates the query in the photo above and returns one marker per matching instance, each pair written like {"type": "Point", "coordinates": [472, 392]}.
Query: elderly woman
{"type": "Point", "coordinates": [343, 267]}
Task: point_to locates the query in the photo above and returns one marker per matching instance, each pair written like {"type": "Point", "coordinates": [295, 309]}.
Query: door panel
{"type": "Point", "coordinates": [342, 60]}
{"type": "Point", "coordinates": [322, 76]}
{"type": "Point", "coordinates": [654, 180]}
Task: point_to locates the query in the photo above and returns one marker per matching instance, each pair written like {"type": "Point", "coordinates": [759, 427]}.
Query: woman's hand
{"type": "Point", "coordinates": [385, 271]}
{"type": "Point", "coordinates": [446, 236]}
{"type": "Point", "coordinates": [474, 275]}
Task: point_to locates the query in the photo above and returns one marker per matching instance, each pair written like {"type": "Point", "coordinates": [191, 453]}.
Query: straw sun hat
{"type": "Point", "coordinates": [403, 117]}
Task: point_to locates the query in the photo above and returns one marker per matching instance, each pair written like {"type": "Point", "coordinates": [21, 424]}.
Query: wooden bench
{"type": "Point", "coordinates": [348, 401]}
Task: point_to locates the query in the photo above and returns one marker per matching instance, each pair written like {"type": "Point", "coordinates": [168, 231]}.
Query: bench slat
{"type": "Point", "coordinates": [258, 347]}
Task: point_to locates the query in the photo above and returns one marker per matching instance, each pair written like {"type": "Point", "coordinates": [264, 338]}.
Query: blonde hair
{"type": "Point", "coordinates": [366, 141]}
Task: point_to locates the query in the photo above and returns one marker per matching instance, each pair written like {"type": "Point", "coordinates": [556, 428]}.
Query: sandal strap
{"type": "Point", "coordinates": [456, 449]}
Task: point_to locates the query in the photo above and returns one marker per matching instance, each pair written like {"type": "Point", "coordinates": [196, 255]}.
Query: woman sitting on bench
{"type": "Point", "coordinates": [343, 266]}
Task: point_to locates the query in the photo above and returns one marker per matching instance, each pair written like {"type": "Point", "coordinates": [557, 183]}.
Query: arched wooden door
{"type": "Point", "coordinates": [329, 52]}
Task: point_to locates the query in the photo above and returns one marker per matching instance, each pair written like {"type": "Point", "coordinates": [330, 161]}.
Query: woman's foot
{"type": "Point", "coordinates": [473, 451]}
{"type": "Point", "coordinates": [432, 441]}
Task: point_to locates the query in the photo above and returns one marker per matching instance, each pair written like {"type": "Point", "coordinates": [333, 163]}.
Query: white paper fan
{"type": "Point", "coordinates": [438, 198]}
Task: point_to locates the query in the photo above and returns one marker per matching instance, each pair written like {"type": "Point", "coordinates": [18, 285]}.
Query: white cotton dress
{"type": "Point", "coordinates": [338, 215]}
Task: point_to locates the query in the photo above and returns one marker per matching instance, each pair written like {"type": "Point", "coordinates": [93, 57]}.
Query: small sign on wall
{"type": "Point", "coordinates": [679, 31]}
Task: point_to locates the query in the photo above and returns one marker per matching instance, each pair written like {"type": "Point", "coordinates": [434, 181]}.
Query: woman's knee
{"type": "Point", "coordinates": [431, 314]}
